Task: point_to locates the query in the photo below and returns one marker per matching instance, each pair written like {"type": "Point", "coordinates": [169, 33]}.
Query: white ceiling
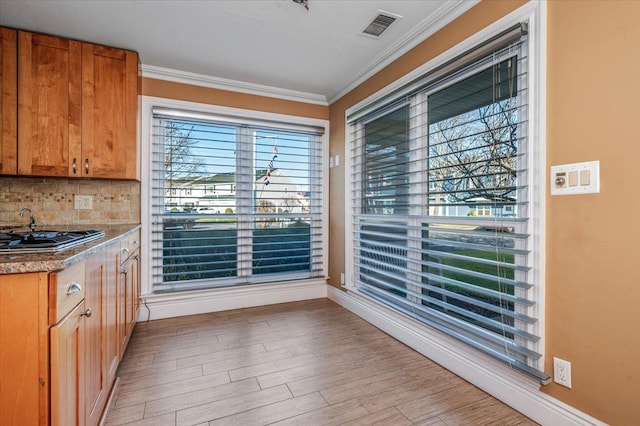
{"type": "Point", "coordinates": [278, 45]}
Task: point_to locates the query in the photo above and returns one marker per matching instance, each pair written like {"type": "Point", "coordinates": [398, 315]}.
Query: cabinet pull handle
{"type": "Point", "coordinates": [125, 251]}
{"type": "Point", "coordinates": [86, 165]}
{"type": "Point", "coordinates": [74, 287]}
{"type": "Point", "coordinates": [135, 242]}
{"type": "Point", "coordinates": [124, 271]}
{"type": "Point", "coordinates": [136, 257]}
{"type": "Point", "coordinates": [73, 166]}
{"type": "Point", "coordinates": [87, 313]}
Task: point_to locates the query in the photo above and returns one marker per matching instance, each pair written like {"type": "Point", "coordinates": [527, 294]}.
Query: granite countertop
{"type": "Point", "coordinates": [16, 263]}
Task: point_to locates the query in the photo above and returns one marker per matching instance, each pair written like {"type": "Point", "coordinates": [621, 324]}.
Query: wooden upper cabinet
{"type": "Point", "coordinates": [109, 112]}
{"type": "Point", "coordinates": [8, 102]}
{"type": "Point", "coordinates": [77, 109]}
{"type": "Point", "coordinates": [49, 105]}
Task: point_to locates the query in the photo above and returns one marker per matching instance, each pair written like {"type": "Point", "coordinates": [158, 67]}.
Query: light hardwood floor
{"type": "Point", "coordinates": [303, 363]}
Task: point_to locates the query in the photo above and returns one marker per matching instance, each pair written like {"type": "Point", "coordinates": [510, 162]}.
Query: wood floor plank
{"type": "Point", "coordinates": [332, 415]}
{"type": "Point", "coordinates": [187, 400]}
{"type": "Point", "coordinates": [171, 389]}
{"type": "Point", "coordinates": [481, 414]}
{"type": "Point", "coordinates": [203, 349]}
{"type": "Point", "coordinates": [125, 415]}
{"type": "Point", "coordinates": [237, 327]}
{"type": "Point", "coordinates": [271, 366]}
{"type": "Point", "coordinates": [274, 412]}
{"type": "Point", "coordinates": [168, 419]}
{"type": "Point", "coordinates": [406, 392]}
{"type": "Point", "coordinates": [245, 360]}
{"type": "Point", "coordinates": [365, 386]}
{"type": "Point", "coordinates": [129, 383]}
{"type": "Point", "coordinates": [441, 402]}
{"type": "Point", "coordinates": [302, 363]}
{"type": "Point", "coordinates": [229, 406]}
{"type": "Point", "coordinates": [217, 355]}
{"type": "Point", "coordinates": [345, 375]}
{"type": "Point", "coordinates": [435, 421]}
{"type": "Point", "coordinates": [348, 357]}
{"type": "Point", "coordinates": [388, 417]}
{"type": "Point", "coordinates": [248, 338]}
{"type": "Point", "coordinates": [132, 372]}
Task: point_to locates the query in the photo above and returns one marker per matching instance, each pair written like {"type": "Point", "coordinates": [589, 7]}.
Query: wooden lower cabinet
{"type": "Point", "coordinates": [24, 349]}
{"type": "Point", "coordinates": [129, 287]}
{"type": "Point", "coordinates": [97, 384]}
{"type": "Point", "coordinates": [112, 345]}
{"type": "Point", "coordinates": [61, 339]}
{"type": "Point", "coordinates": [68, 340]}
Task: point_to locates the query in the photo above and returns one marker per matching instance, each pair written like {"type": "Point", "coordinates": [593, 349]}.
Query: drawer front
{"type": "Point", "coordinates": [129, 244]}
{"type": "Point", "coordinates": [66, 290]}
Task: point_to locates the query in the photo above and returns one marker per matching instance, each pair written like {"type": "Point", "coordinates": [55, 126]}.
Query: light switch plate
{"type": "Point", "coordinates": [576, 178]}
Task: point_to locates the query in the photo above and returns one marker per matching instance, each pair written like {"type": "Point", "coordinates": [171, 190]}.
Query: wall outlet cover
{"type": "Point", "coordinates": [83, 202]}
{"type": "Point", "coordinates": [562, 372]}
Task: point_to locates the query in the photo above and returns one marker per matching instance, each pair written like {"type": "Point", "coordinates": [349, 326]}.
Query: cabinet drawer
{"type": "Point", "coordinates": [129, 244]}
{"type": "Point", "coordinates": [66, 290]}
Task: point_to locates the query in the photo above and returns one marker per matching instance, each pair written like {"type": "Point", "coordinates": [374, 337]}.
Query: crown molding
{"type": "Point", "coordinates": [185, 77]}
{"type": "Point", "coordinates": [429, 26]}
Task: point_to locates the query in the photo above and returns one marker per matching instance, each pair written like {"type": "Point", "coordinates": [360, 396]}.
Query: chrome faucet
{"type": "Point", "coordinates": [32, 221]}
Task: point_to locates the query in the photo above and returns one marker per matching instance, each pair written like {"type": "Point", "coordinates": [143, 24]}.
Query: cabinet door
{"type": "Point", "coordinates": [133, 291]}
{"type": "Point", "coordinates": [8, 102]}
{"type": "Point", "coordinates": [67, 369]}
{"type": "Point", "coordinates": [96, 380]}
{"type": "Point", "coordinates": [123, 295]}
{"type": "Point", "coordinates": [24, 349]}
{"type": "Point", "coordinates": [112, 344]}
{"type": "Point", "coordinates": [109, 112]}
{"type": "Point", "coordinates": [49, 105]}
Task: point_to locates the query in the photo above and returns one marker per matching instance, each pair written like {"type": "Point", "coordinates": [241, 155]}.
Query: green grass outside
{"type": "Point", "coordinates": [477, 267]}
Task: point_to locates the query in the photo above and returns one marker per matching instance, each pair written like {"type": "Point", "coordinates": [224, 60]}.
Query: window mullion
{"type": "Point", "coordinates": [418, 183]}
{"type": "Point", "coordinates": [244, 203]}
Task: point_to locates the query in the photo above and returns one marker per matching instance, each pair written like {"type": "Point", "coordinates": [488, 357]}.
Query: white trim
{"type": "Point", "coordinates": [523, 13]}
{"type": "Point", "coordinates": [146, 111]}
{"type": "Point", "coordinates": [493, 377]}
{"type": "Point", "coordinates": [169, 305]}
{"type": "Point", "coordinates": [429, 26]}
{"type": "Point", "coordinates": [538, 162]}
{"type": "Point", "coordinates": [185, 77]}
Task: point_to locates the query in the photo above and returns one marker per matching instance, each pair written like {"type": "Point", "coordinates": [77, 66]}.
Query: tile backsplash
{"type": "Point", "coordinates": [51, 201]}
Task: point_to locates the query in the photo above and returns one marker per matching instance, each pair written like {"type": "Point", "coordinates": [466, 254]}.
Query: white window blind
{"type": "Point", "coordinates": [441, 211]}
{"type": "Point", "coordinates": [234, 201]}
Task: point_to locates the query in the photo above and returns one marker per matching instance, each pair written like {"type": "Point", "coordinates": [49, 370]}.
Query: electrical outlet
{"type": "Point", "coordinates": [562, 372]}
{"type": "Point", "coordinates": [83, 202]}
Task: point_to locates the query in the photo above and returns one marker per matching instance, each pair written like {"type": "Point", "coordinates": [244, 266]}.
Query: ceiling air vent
{"type": "Point", "coordinates": [380, 23]}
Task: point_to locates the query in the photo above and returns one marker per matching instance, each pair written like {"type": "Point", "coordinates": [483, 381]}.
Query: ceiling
{"type": "Point", "coordinates": [315, 54]}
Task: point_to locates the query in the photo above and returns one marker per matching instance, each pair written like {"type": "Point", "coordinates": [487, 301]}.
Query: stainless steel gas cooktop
{"type": "Point", "coordinates": [45, 241]}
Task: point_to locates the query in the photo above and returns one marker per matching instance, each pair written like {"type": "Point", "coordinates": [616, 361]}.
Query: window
{"type": "Point", "coordinates": [226, 203]}
{"type": "Point", "coordinates": [442, 193]}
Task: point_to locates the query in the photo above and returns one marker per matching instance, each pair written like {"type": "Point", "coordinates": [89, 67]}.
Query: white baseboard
{"type": "Point", "coordinates": [169, 305]}
{"type": "Point", "coordinates": [509, 386]}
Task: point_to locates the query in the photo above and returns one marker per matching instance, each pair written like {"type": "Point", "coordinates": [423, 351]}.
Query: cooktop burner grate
{"type": "Point", "coordinates": [45, 241]}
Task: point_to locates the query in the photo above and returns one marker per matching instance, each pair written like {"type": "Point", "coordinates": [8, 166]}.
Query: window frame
{"type": "Point", "coordinates": [148, 103]}
{"type": "Point", "coordinates": [536, 161]}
